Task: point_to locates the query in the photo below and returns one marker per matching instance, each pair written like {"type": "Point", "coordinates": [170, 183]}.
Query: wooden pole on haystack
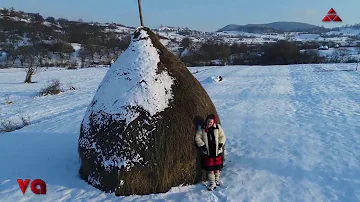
{"type": "Point", "coordinates": [140, 12]}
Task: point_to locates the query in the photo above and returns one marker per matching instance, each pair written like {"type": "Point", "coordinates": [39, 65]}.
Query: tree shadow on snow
{"type": "Point", "coordinates": [11, 83]}
{"type": "Point", "coordinates": [22, 93]}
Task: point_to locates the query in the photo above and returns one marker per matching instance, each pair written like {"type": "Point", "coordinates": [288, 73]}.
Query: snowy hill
{"type": "Point", "coordinates": [271, 27]}
{"type": "Point", "coordinates": [345, 32]}
{"type": "Point", "coordinates": [228, 34]}
{"type": "Point", "coordinates": [66, 43]}
{"type": "Point", "coordinates": [292, 134]}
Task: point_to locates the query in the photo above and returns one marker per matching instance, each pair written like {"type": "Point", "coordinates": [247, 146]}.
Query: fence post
{"type": "Point", "coordinates": [140, 12]}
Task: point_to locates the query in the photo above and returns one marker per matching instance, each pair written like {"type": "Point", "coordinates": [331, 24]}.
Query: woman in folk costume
{"type": "Point", "coordinates": [211, 139]}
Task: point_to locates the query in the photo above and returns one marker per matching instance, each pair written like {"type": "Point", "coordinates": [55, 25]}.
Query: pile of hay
{"type": "Point", "coordinates": [137, 136]}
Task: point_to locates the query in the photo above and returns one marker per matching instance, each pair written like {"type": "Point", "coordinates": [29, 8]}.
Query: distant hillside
{"type": "Point", "coordinates": [28, 38]}
{"type": "Point", "coordinates": [275, 27]}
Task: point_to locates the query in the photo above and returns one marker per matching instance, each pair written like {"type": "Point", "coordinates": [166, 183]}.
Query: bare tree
{"type": "Point", "coordinates": [61, 57]}
{"type": "Point", "coordinates": [9, 47]}
{"type": "Point", "coordinates": [186, 42]}
{"type": "Point", "coordinates": [82, 55]}
{"type": "Point", "coordinates": [43, 55]}
{"type": "Point", "coordinates": [30, 57]}
{"type": "Point", "coordinates": [22, 54]}
{"type": "Point", "coordinates": [100, 51]}
{"type": "Point", "coordinates": [31, 69]}
{"type": "Point", "coordinates": [91, 50]}
{"type": "Point", "coordinates": [10, 54]}
{"type": "Point", "coordinates": [340, 55]}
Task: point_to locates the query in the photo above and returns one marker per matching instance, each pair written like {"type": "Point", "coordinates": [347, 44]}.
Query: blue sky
{"type": "Point", "coordinates": [205, 15]}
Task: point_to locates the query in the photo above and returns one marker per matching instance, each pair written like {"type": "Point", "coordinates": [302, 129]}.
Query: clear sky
{"type": "Point", "coordinates": [205, 15]}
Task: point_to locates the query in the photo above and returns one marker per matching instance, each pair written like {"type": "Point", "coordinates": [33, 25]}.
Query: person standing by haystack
{"type": "Point", "coordinates": [210, 138]}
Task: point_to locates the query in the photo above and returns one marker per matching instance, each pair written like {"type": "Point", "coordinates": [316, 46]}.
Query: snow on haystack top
{"type": "Point", "coordinates": [133, 81]}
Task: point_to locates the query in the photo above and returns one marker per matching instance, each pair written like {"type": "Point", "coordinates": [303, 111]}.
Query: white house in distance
{"type": "Point", "coordinates": [323, 48]}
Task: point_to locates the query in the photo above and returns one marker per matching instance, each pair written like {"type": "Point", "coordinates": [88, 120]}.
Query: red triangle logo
{"type": "Point", "coordinates": [326, 19]}
{"type": "Point", "coordinates": [337, 19]}
{"type": "Point", "coordinates": [332, 11]}
{"type": "Point", "coordinates": [331, 17]}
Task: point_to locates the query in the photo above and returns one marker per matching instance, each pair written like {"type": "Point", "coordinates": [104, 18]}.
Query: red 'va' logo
{"type": "Point", "coordinates": [332, 16]}
{"type": "Point", "coordinates": [34, 186]}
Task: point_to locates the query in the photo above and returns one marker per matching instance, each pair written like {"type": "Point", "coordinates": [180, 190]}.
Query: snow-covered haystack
{"type": "Point", "coordinates": [137, 136]}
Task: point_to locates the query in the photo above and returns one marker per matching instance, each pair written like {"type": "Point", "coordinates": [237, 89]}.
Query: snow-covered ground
{"type": "Point", "coordinates": [346, 32]}
{"type": "Point", "coordinates": [307, 37]}
{"type": "Point", "coordinates": [293, 134]}
{"type": "Point", "coordinates": [349, 51]}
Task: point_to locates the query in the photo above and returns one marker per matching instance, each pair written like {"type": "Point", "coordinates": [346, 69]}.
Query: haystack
{"type": "Point", "coordinates": [137, 136]}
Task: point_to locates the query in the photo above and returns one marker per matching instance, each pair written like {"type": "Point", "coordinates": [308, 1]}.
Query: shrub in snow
{"type": "Point", "coordinates": [52, 89]}
{"type": "Point", "coordinates": [213, 79]}
{"type": "Point", "coordinates": [8, 101]}
{"type": "Point", "coordinates": [137, 136]}
{"type": "Point", "coordinates": [12, 125]}
{"type": "Point", "coordinates": [72, 67]}
{"type": "Point", "coordinates": [72, 88]}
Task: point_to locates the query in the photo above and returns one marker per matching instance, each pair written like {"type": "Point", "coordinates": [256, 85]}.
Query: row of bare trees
{"type": "Point", "coordinates": [279, 53]}
{"type": "Point", "coordinates": [36, 41]}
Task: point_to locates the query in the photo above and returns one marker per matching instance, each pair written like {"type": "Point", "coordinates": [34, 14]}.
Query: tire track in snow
{"type": "Point", "coordinates": [255, 107]}
{"type": "Point", "coordinates": [327, 117]}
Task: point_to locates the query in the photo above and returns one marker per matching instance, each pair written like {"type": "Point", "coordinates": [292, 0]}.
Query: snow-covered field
{"type": "Point", "coordinates": [293, 134]}
{"type": "Point", "coordinates": [346, 32]}
{"type": "Point", "coordinates": [350, 51]}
